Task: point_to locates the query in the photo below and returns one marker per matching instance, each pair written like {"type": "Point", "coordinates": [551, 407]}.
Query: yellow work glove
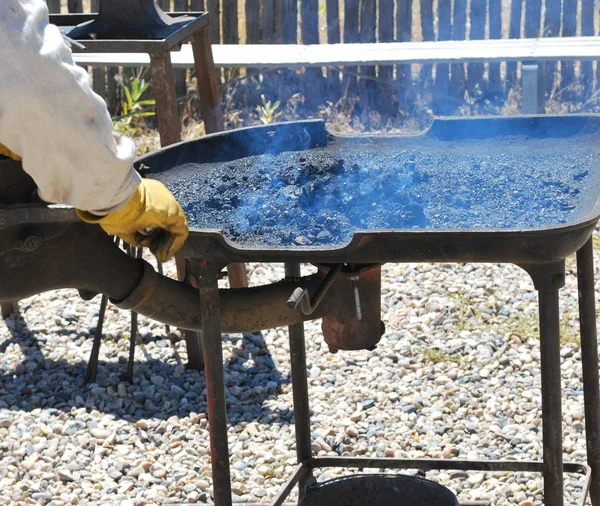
{"type": "Point", "coordinates": [151, 210]}
{"type": "Point", "coordinates": [4, 151]}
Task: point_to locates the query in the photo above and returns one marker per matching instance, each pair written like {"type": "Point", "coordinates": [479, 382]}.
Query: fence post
{"type": "Point", "coordinates": [587, 30]}
{"type": "Point", "coordinates": [214, 9]}
{"type": "Point", "coordinates": [569, 30]}
{"type": "Point", "coordinates": [386, 72]}
{"type": "Point", "coordinates": [442, 103]}
{"type": "Point", "coordinates": [334, 37]}
{"type": "Point", "coordinates": [313, 83]}
{"type": "Point", "coordinates": [53, 6]}
{"type": "Point", "coordinates": [351, 35]}
{"type": "Point", "coordinates": [230, 22]}
{"type": "Point", "coordinates": [289, 17]}
{"type": "Point", "coordinates": [75, 6]}
{"type": "Point", "coordinates": [404, 34]}
{"type": "Point", "coordinates": [551, 29]}
{"type": "Point", "coordinates": [516, 12]}
{"type": "Point", "coordinates": [475, 78]}
{"type": "Point", "coordinates": [368, 75]}
{"type": "Point", "coordinates": [495, 85]}
{"type": "Point", "coordinates": [180, 75]}
{"type": "Point", "coordinates": [428, 35]}
{"type": "Point", "coordinates": [252, 10]}
{"type": "Point", "coordinates": [268, 22]}
{"type": "Point", "coordinates": [459, 31]}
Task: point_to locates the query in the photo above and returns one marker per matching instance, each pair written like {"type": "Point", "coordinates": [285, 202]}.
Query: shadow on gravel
{"type": "Point", "coordinates": [161, 389]}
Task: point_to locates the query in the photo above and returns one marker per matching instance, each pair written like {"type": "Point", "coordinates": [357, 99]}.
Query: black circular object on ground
{"type": "Point", "coordinates": [379, 490]}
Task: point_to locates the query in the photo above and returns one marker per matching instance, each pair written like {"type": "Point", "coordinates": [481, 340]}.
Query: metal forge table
{"type": "Point", "coordinates": [539, 251]}
{"type": "Point", "coordinates": [141, 27]}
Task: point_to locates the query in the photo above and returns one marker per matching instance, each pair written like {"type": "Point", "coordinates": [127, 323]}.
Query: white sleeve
{"type": "Point", "coordinates": [50, 116]}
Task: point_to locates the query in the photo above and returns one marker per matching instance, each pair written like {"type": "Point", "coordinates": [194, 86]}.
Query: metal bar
{"type": "Point", "coordinates": [238, 277]}
{"type": "Point", "coordinates": [551, 397]}
{"type": "Point", "coordinates": [434, 464]}
{"type": "Point", "coordinates": [163, 88]}
{"type": "Point", "coordinates": [215, 388]}
{"type": "Point", "coordinates": [533, 88]}
{"type": "Point", "coordinates": [302, 296]}
{"type": "Point", "coordinates": [136, 253]}
{"type": "Point", "coordinates": [299, 387]}
{"type": "Point", "coordinates": [589, 359]}
{"type": "Point", "coordinates": [92, 368]}
{"type": "Point", "coordinates": [180, 36]}
{"type": "Point", "coordinates": [8, 308]}
{"type": "Point", "coordinates": [208, 84]}
{"type": "Point", "coordinates": [299, 476]}
{"type": "Point", "coordinates": [159, 266]}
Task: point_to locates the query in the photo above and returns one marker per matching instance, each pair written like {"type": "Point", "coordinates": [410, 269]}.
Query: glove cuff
{"type": "Point", "coordinates": [132, 204]}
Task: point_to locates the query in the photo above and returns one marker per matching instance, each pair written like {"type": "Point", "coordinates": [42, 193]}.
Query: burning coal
{"type": "Point", "coordinates": [322, 196]}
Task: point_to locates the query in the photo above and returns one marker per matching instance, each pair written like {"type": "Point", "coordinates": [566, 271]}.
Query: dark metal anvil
{"type": "Point", "coordinates": [129, 19]}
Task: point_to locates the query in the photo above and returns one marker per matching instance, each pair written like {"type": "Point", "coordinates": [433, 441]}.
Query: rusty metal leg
{"type": "Point", "coordinates": [238, 277]}
{"type": "Point", "coordinates": [212, 114]}
{"type": "Point", "coordinates": [589, 359]}
{"type": "Point", "coordinates": [551, 397]}
{"type": "Point", "coordinates": [299, 387]}
{"type": "Point", "coordinates": [212, 346]}
{"type": "Point", "coordinates": [134, 327]}
{"type": "Point", "coordinates": [92, 368]}
{"type": "Point", "coordinates": [159, 266]}
{"type": "Point", "coordinates": [8, 308]}
{"type": "Point", "coordinates": [208, 84]}
{"type": "Point", "coordinates": [193, 343]}
{"type": "Point", "coordinates": [163, 88]}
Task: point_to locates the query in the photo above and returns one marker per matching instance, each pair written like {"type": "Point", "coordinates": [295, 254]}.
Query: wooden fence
{"type": "Point", "coordinates": [335, 21]}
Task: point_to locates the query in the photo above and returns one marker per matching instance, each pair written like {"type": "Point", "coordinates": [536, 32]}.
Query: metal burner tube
{"type": "Point", "coordinates": [101, 267]}
{"type": "Point", "coordinates": [589, 359]}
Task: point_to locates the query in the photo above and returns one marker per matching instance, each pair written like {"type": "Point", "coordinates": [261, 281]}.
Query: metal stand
{"type": "Point", "coordinates": [589, 359]}
{"type": "Point", "coordinates": [547, 278]}
{"type": "Point", "coordinates": [206, 279]}
{"type": "Point", "coordinates": [170, 33]}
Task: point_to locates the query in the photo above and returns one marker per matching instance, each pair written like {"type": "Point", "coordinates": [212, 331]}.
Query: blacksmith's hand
{"type": "Point", "coordinates": [151, 208]}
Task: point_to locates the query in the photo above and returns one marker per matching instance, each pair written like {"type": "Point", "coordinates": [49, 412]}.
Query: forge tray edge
{"type": "Point", "coordinates": [520, 246]}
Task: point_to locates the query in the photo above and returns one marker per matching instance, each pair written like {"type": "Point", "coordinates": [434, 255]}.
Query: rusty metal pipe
{"type": "Point", "coordinates": [242, 309]}
{"type": "Point", "coordinates": [84, 257]}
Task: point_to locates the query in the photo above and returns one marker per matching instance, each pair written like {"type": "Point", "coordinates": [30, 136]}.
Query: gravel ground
{"type": "Point", "coordinates": [455, 376]}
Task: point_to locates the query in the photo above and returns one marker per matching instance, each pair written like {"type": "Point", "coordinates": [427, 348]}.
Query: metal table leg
{"type": "Point", "coordinates": [192, 339]}
{"type": "Point", "coordinates": [207, 282]}
{"type": "Point", "coordinates": [208, 84]}
{"type": "Point", "coordinates": [92, 368]}
{"type": "Point", "coordinates": [163, 88]}
{"type": "Point", "coordinates": [299, 388]}
{"type": "Point", "coordinates": [589, 359]}
{"type": "Point", "coordinates": [212, 114]}
{"type": "Point", "coordinates": [551, 397]}
{"type": "Point", "coordinates": [8, 308]}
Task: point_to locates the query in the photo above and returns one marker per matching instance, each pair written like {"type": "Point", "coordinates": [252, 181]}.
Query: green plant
{"type": "Point", "coordinates": [436, 356]}
{"type": "Point", "coordinates": [134, 105]}
{"type": "Point", "coordinates": [267, 112]}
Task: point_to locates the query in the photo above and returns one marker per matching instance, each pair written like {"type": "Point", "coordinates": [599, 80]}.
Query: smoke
{"type": "Point", "coordinates": [463, 174]}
